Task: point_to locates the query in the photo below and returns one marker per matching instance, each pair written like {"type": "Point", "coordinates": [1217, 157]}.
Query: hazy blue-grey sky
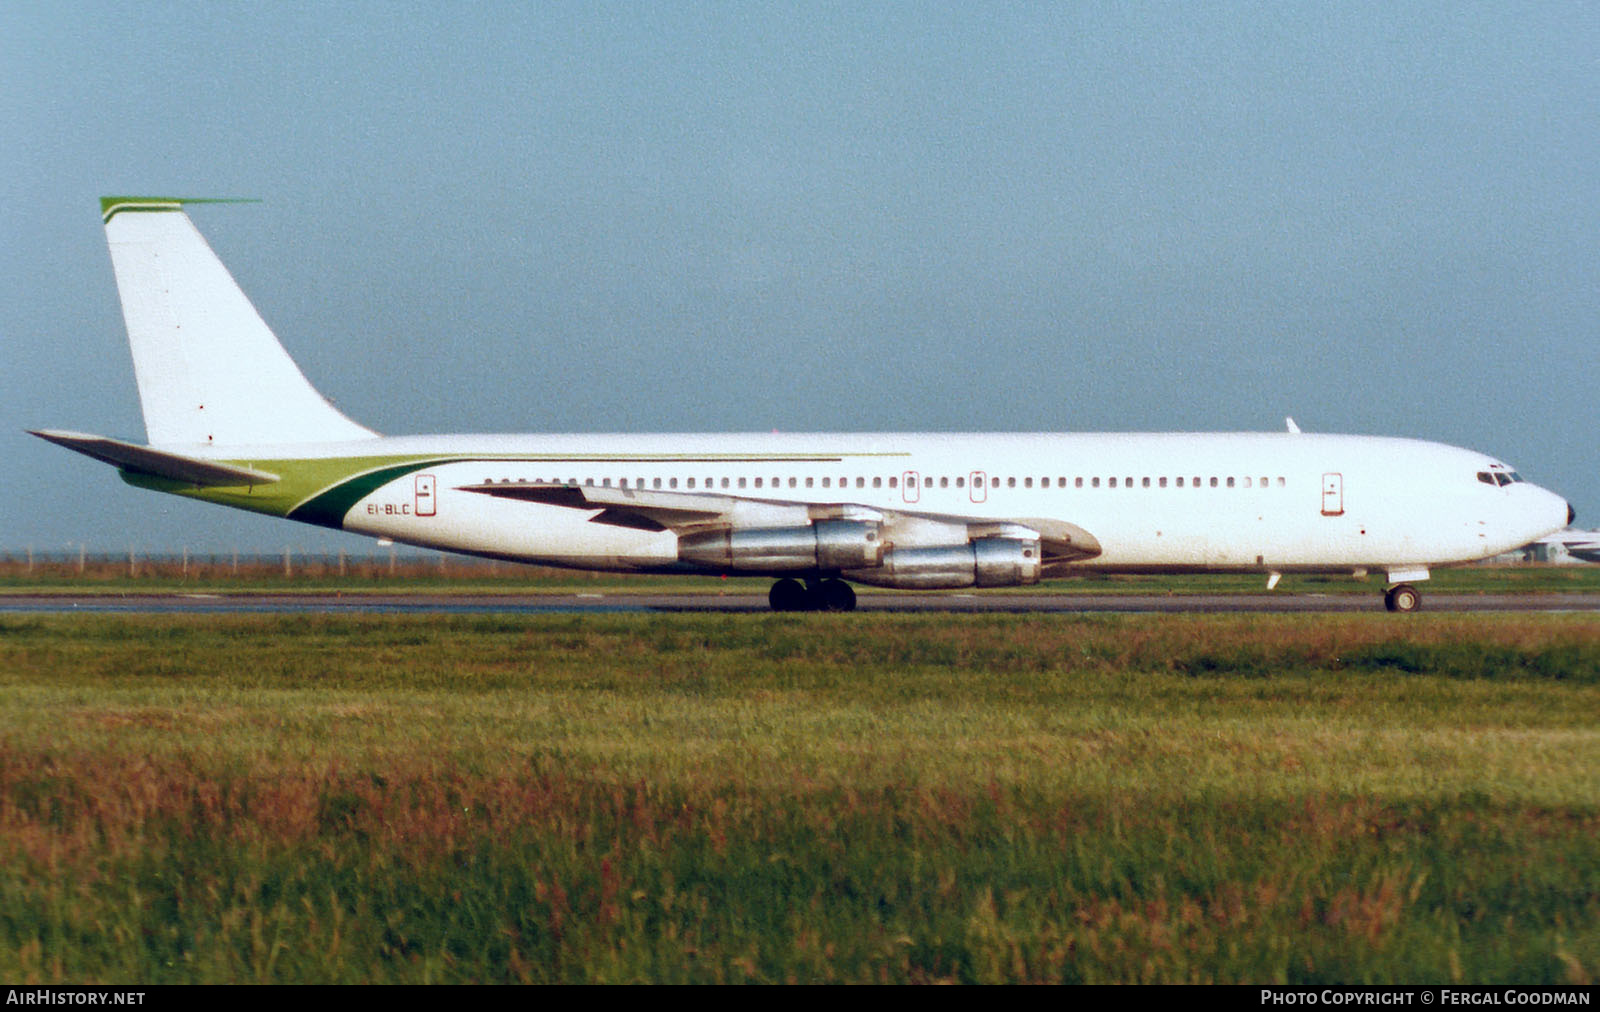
{"type": "Point", "coordinates": [1377, 218]}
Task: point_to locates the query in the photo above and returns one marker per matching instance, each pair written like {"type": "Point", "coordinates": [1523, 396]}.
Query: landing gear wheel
{"type": "Point", "coordinates": [789, 595]}
{"type": "Point", "coordinates": [835, 595]}
{"type": "Point", "coordinates": [1402, 597]}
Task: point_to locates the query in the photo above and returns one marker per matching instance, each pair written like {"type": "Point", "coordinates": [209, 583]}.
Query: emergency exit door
{"type": "Point", "coordinates": [1332, 495]}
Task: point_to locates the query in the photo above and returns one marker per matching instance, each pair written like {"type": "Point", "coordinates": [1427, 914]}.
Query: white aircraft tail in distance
{"type": "Point", "coordinates": [230, 419]}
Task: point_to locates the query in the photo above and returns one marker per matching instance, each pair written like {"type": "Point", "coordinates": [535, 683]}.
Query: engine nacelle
{"type": "Point", "coordinates": [826, 545]}
{"type": "Point", "coordinates": [985, 562]}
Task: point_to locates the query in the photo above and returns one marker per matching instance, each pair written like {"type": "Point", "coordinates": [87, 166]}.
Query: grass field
{"type": "Point", "coordinates": [800, 797]}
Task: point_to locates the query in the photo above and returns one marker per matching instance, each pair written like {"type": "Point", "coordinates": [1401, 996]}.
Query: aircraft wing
{"type": "Point", "coordinates": [160, 463]}
{"type": "Point", "coordinates": [618, 507]}
{"type": "Point", "coordinates": [690, 512]}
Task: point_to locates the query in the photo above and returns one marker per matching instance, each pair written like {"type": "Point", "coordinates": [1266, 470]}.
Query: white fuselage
{"type": "Point", "coordinates": [1155, 502]}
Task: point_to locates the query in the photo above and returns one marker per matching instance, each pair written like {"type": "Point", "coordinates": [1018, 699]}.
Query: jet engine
{"type": "Point", "coordinates": [825, 545]}
{"type": "Point", "coordinates": [983, 562]}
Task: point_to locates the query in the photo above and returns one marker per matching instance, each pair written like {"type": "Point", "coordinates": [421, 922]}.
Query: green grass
{"type": "Point", "coordinates": [800, 797]}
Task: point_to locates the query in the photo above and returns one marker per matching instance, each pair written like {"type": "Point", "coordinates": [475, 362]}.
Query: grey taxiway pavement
{"type": "Point", "coordinates": [441, 604]}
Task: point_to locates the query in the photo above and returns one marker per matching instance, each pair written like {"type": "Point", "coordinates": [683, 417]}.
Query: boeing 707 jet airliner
{"type": "Point", "coordinates": [230, 419]}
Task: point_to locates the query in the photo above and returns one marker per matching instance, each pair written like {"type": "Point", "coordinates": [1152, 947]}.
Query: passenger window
{"type": "Point", "coordinates": [622, 483]}
{"type": "Point", "coordinates": [1113, 483]}
{"type": "Point", "coordinates": [691, 483]}
{"type": "Point", "coordinates": [893, 483]}
{"type": "Point", "coordinates": [827, 483]}
{"type": "Point", "coordinates": [792, 482]}
{"type": "Point", "coordinates": [944, 482]}
{"type": "Point", "coordinates": [1230, 481]}
{"type": "Point", "coordinates": [1213, 481]}
{"type": "Point", "coordinates": [877, 482]}
{"type": "Point", "coordinates": [758, 483]}
{"type": "Point", "coordinates": [655, 482]}
{"type": "Point", "coordinates": [861, 482]}
{"type": "Point", "coordinates": [1027, 483]}
{"type": "Point", "coordinates": [741, 482]}
{"type": "Point", "coordinates": [1163, 483]}
{"type": "Point", "coordinates": [1263, 482]}
{"type": "Point", "coordinates": [809, 481]}
{"type": "Point", "coordinates": [1094, 482]}
{"type": "Point", "coordinates": [1144, 482]}
{"type": "Point", "coordinates": [1280, 481]}
{"type": "Point", "coordinates": [1077, 482]}
{"type": "Point", "coordinates": [961, 482]}
{"type": "Point", "coordinates": [672, 483]}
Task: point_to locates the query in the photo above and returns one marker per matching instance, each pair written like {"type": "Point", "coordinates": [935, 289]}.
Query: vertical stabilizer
{"type": "Point", "coordinates": [209, 369]}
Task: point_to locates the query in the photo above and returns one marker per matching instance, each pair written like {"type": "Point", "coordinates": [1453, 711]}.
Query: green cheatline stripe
{"type": "Point", "coordinates": [110, 207]}
{"type": "Point", "coordinates": [328, 509]}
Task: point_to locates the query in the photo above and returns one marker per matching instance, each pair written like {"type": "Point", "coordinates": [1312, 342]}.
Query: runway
{"type": "Point", "coordinates": [595, 603]}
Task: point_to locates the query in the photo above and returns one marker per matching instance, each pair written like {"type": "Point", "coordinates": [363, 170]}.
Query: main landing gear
{"type": "Point", "coordinates": [813, 595]}
{"type": "Point", "coordinates": [1402, 597]}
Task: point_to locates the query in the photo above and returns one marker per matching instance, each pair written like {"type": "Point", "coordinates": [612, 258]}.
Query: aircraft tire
{"type": "Point", "coordinates": [789, 595]}
{"type": "Point", "coordinates": [836, 595]}
{"type": "Point", "coordinates": [1402, 598]}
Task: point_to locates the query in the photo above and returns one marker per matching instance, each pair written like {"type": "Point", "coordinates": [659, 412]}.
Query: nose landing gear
{"type": "Point", "coordinates": [814, 595]}
{"type": "Point", "coordinates": [1402, 597]}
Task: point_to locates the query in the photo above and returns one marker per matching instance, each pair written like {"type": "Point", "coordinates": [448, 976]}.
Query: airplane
{"type": "Point", "coordinates": [1583, 546]}
{"type": "Point", "coordinates": [230, 419]}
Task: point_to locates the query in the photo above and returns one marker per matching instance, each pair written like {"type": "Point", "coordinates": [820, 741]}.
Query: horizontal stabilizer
{"type": "Point", "coordinates": [161, 464]}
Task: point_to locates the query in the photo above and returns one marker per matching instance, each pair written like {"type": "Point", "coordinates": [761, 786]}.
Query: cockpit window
{"type": "Point", "coordinates": [1484, 477]}
{"type": "Point", "coordinates": [1515, 476]}
{"type": "Point", "coordinates": [1502, 478]}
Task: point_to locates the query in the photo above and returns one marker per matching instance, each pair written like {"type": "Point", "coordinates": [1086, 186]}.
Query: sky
{"type": "Point", "coordinates": [1374, 217]}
